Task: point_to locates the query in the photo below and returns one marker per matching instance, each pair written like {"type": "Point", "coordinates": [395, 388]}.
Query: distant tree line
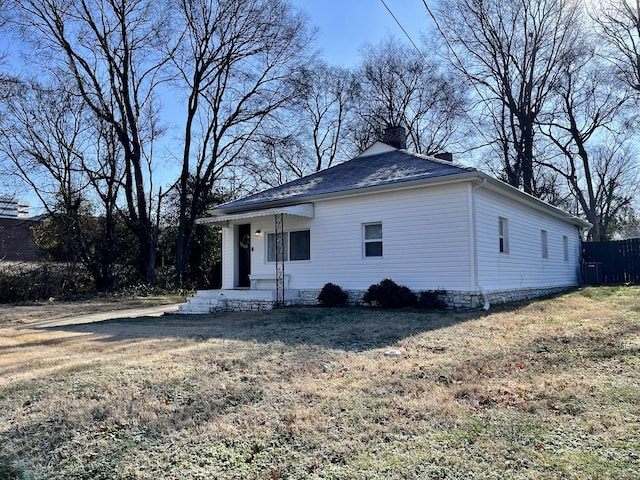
{"type": "Point", "coordinates": [230, 97]}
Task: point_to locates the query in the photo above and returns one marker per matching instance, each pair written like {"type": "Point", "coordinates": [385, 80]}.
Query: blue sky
{"type": "Point", "coordinates": [345, 25]}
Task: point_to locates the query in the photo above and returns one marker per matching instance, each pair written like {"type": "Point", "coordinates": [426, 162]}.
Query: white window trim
{"type": "Point", "coordinates": [503, 247]}
{"type": "Point", "coordinates": [365, 240]}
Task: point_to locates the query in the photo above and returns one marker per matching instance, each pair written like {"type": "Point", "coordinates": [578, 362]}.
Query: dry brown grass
{"type": "Point", "coordinates": [16, 315]}
{"type": "Point", "coordinates": [547, 389]}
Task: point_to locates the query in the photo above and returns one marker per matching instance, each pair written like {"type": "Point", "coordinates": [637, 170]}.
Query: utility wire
{"type": "Point", "coordinates": [466, 114]}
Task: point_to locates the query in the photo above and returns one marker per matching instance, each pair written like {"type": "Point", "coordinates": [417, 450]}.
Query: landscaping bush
{"type": "Point", "coordinates": [388, 294]}
{"type": "Point", "coordinates": [332, 295]}
{"type": "Point", "coordinates": [432, 299]}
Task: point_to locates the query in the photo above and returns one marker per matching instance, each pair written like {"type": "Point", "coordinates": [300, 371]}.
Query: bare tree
{"type": "Point", "coordinates": [284, 153]}
{"type": "Point", "coordinates": [236, 63]}
{"type": "Point", "coordinates": [398, 87]}
{"type": "Point", "coordinates": [71, 164]}
{"type": "Point", "coordinates": [510, 51]}
{"type": "Point", "coordinates": [630, 227]}
{"type": "Point", "coordinates": [618, 23]}
{"type": "Point", "coordinates": [584, 110]}
{"type": "Point", "coordinates": [112, 50]}
{"type": "Point", "coordinates": [328, 98]}
{"type": "Point", "coordinates": [6, 80]}
{"type": "Point", "coordinates": [617, 187]}
{"type": "Point", "coordinates": [312, 132]}
{"type": "Point", "coordinates": [105, 173]}
{"type": "Point", "coordinates": [42, 134]}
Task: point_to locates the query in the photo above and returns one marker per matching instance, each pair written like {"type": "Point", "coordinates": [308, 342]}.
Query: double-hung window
{"type": "Point", "coordinates": [372, 239]}
{"type": "Point", "coordinates": [503, 235]}
{"type": "Point", "coordinates": [297, 245]}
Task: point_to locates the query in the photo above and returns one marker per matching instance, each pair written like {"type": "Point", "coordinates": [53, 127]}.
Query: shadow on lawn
{"type": "Point", "coordinates": [349, 329]}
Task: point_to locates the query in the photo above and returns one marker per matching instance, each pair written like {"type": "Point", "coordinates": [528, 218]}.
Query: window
{"type": "Point", "coordinates": [300, 245]}
{"type": "Point", "coordinates": [503, 235]}
{"type": "Point", "coordinates": [372, 239]}
{"type": "Point", "coordinates": [565, 247]}
{"type": "Point", "coordinates": [271, 247]}
{"type": "Point", "coordinates": [543, 242]}
{"type": "Point", "coordinates": [297, 246]}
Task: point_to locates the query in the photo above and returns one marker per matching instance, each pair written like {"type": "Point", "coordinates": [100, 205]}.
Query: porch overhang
{"type": "Point", "coordinates": [223, 220]}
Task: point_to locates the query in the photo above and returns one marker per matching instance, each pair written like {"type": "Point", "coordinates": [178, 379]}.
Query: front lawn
{"type": "Point", "coordinates": [548, 389]}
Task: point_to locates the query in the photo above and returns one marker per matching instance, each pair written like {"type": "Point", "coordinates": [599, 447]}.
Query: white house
{"type": "Point", "coordinates": [423, 222]}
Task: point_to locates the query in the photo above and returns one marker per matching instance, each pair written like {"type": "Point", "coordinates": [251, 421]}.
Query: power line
{"type": "Point", "coordinates": [406, 33]}
{"type": "Point", "coordinates": [464, 111]}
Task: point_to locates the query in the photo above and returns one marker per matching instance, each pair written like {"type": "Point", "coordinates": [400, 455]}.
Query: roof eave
{"type": "Point", "coordinates": [474, 175]}
{"type": "Point", "coordinates": [519, 195]}
{"type": "Point", "coordinates": [403, 185]}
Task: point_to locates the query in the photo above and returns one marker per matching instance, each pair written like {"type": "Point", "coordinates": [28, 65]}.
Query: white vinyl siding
{"type": "Point", "coordinates": [427, 242]}
{"type": "Point", "coordinates": [418, 251]}
{"type": "Point", "coordinates": [523, 267]}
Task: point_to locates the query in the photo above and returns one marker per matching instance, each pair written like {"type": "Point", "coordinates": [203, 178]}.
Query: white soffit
{"type": "Point", "coordinates": [302, 210]}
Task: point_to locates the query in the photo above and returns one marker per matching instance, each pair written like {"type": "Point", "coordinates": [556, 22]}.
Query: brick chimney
{"type": "Point", "coordinates": [395, 136]}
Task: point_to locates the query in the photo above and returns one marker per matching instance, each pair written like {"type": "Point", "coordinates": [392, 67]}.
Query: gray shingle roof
{"type": "Point", "coordinates": [392, 167]}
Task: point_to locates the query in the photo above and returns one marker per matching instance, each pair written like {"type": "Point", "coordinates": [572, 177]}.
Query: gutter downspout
{"type": "Point", "coordinates": [474, 240]}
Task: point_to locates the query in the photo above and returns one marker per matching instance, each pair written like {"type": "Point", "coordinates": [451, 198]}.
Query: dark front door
{"type": "Point", "coordinates": [244, 255]}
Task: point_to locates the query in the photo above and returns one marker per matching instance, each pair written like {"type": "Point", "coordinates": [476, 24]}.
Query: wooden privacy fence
{"type": "Point", "coordinates": [611, 262]}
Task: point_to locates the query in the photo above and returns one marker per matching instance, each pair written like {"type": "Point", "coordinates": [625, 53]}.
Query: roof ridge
{"type": "Point", "coordinates": [384, 168]}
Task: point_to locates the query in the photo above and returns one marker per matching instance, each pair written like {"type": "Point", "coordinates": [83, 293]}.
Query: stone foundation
{"type": "Point", "coordinates": [246, 302]}
{"type": "Point", "coordinates": [243, 305]}
{"type": "Point", "coordinates": [453, 298]}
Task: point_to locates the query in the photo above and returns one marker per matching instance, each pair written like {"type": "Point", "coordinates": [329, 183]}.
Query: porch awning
{"type": "Point", "coordinates": [302, 210]}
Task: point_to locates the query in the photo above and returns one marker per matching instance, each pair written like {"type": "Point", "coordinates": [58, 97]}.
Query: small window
{"type": "Point", "coordinates": [503, 235]}
{"type": "Point", "coordinates": [300, 245]}
{"type": "Point", "coordinates": [543, 242]}
{"type": "Point", "coordinates": [271, 247]}
{"type": "Point", "coordinates": [373, 240]}
{"type": "Point", "coordinates": [565, 247]}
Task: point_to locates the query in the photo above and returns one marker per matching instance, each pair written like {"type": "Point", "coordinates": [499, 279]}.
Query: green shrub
{"type": "Point", "coordinates": [332, 295]}
{"type": "Point", "coordinates": [432, 299]}
{"type": "Point", "coordinates": [388, 294]}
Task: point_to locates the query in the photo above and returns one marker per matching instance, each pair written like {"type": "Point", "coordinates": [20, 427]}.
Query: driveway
{"type": "Point", "coordinates": [156, 311]}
